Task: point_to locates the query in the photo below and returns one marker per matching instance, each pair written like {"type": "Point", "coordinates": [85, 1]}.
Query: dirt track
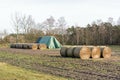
{"type": "Point", "coordinates": [30, 51]}
{"type": "Point", "coordinates": [74, 68]}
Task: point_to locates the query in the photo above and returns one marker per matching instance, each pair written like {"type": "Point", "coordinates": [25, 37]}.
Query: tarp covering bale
{"type": "Point", "coordinates": [38, 39]}
{"type": "Point", "coordinates": [63, 51]}
{"type": "Point", "coordinates": [50, 41]}
{"type": "Point", "coordinates": [82, 52]}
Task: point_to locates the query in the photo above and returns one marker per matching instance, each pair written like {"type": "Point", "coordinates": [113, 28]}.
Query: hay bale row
{"type": "Point", "coordinates": [82, 52]}
{"type": "Point", "coordinates": [33, 46]}
{"type": "Point", "coordinates": [63, 51]}
{"type": "Point", "coordinates": [78, 52]}
{"type": "Point", "coordinates": [12, 45]}
{"type": "Point", "coordinates": [86, 52]}
{"type": "Point", "coordinates": [42, 46]}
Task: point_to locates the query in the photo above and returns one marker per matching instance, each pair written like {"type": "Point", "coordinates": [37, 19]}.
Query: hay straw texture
{"type": "Point", "coordinates": [82, 52]}
{"type": "Point", "coordinates": [32, 46]}
{"type": "Point", "coordinates": [85, 52]}
{"type": "Point", "coordinates": [42, 46]}
{"type": "Point", "coordinates": [70, 52]}
{"type": "Point", "coordinates": [96, 53]}
{"type": "Point", "coordinates": [106, 52]}
{"type": "Point", "coordinates": [63, 51]}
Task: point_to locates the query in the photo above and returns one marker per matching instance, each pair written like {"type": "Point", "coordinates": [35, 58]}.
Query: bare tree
{"type": "Point", "coordinates": [62, 25]}
{"type": "Point", "coordinates": [5, 32]}
{"type": "Point", "coordinates": [110, 20]}
{"type": "Point", "coordinates": [99, 22]}
{"type": "Point", "coordinates": [22, 24]}
{"type": "Point", "coordinates": [77, 30]}
{"type": "Point", "coordinates": [43, 26]}
{"type": "Point", "coordinates": [27, 22]}
{"type": "Point", "coordinates": [50, 22]}
{"type": "Point", "coordinates": [16, 21]}
{"type": "Point", "coordinates": [47, 25]}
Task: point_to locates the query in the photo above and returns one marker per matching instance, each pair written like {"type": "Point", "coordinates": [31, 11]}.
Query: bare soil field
{"type": "Point", "coordinates": [50, 62]}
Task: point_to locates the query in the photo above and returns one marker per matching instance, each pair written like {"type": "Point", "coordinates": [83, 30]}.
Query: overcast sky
{"type": "Point", "coordinates": [76, 12]}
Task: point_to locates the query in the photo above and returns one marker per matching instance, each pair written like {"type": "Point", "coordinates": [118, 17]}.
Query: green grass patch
{"type": "Point", "coordinates": [9, 72]}
{"type": "Point", "coordinates": [115, 47]}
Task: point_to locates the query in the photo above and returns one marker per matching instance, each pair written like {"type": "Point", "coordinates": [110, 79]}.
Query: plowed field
{"type": "Point", "coordinates": [50, 62]}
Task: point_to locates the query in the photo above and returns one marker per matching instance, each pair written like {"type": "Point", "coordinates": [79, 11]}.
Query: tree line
{"type": "Point", "coordinates": [102, 34]}
{"type": "Point", "coordinates": [97, 33]}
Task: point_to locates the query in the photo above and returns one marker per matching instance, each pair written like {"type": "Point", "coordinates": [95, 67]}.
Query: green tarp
{"type": "Point", "coordinates": [50, 41]}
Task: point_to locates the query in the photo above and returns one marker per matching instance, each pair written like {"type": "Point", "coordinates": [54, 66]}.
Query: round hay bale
{"type": "Point", "coordinates": [20, 46]}
{"type": "Point", "coordinates": [76, 52]}
{"type": "Point", "coordinates": [95, 52]}
{"type": "Point", "coordinates": [25, 46]}
{"type": "Point", "coordinates": [42, 46]}
{"type": "Point", "coordinates": [12, 45]}
{"type": "Point", "coordinates": [82, 52]}
{"type": "Point", "coordinates": [70, 52]}
{"type": "Point", "coordinates": [17, 45]}
{"type": "Point", "coordinates": [102, 46]}
{"type": "Point", "coordinates": [63, 51]}
{"type": "Point", "coordinates": [105, 52]}
{"type": "Point", "coordinates": [32, 46]}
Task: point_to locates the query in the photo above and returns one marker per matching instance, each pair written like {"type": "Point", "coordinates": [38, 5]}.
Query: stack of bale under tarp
{"type": "Point", "coordinates": [33, 46]}
{"type": "Point", "coordinates": [86, 52]}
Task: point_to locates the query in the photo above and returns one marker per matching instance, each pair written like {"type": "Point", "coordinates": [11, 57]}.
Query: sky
{"type": "Point", "coordinates": [75, 12]}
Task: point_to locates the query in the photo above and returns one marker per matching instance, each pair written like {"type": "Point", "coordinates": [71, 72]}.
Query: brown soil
{"type": "Point", "coordinates": [75, 68]}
